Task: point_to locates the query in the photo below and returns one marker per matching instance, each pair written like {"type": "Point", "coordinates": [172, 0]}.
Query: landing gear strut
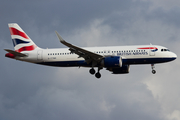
{"type": "Point", "coordinates": [92, 71]}
{"type": "Point", "coordinates": [153, 71]}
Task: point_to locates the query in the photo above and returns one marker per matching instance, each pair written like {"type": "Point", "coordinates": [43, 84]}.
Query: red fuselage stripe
{"type": "Point", "coordinates": [148, 48]}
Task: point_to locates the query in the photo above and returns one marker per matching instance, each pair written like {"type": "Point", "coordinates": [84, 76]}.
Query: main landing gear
{"type": "Point", "coordinates": [92, 71]}
{"type": "Point", "coordinates": [153, 71]}
{"type": "Point", "coordinates": [98, 74]}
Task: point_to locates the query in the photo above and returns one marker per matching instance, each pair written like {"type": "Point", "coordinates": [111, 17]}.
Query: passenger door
{"type": "Point", "coordinates": [152, 51]}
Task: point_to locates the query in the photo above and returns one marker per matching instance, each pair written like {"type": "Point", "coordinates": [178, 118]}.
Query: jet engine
{"type": "Point", "coordinates": [122, 70]}
{"type": "Point", "coordinates": [112, 61]}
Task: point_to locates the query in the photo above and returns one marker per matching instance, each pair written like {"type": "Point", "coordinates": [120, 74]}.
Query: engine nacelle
{"type": "Point", "coordinates": [112, 61]}
{"type": "Point", "coordinates": [124, 69]}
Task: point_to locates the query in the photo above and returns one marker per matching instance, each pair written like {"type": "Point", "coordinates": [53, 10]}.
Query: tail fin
{"type": "Point", "coordinates": [21, 41]}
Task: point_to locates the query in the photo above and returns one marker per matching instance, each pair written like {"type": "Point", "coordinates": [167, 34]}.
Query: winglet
{"type": "Point", "coordinates": [59, 37]}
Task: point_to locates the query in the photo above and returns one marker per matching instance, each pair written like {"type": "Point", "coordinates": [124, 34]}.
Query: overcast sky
{"type": "Point", "coordinates": [34, 92]}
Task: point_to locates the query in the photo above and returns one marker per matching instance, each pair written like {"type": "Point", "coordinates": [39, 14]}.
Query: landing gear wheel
{"type": "Point", "coordinates": [153, 71]}
{"type": "Point", "coordinates": [98, 75]}
{"type": "Point", "coordinates": [92, 71]}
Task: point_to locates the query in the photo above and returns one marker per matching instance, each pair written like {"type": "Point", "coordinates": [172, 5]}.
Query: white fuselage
{"type": "Point", "coordinates": [62, 57]}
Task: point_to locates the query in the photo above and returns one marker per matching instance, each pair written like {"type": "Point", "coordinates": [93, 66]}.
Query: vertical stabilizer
{"type": "Point", "coordinates": [21, 41]}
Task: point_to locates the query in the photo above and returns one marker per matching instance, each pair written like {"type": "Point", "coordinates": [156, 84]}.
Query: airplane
{"type": "Point", "coordinates": [116, 59]}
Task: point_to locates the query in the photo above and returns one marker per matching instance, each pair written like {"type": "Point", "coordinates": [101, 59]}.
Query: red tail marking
{"type": "Point", "coordinates": [10, 55]}
{"type": "Point", "coordinates": [26, 48]}
{"type": "Point", "coordinates": [14, 31]}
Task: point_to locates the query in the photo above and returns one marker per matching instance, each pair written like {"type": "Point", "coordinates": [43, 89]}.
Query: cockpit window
{"type": "Point", "coordinates": [165, 50]}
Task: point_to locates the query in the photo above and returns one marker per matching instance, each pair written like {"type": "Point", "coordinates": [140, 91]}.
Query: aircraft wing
{"type": "Point", "coordinates": [87, 55]}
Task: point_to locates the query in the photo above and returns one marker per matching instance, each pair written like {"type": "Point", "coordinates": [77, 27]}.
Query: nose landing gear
{"type": "Point", "coordinates": [153, 71]}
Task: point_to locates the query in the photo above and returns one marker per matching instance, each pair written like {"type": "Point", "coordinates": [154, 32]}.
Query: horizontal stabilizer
{"type": "Point", "coordinates": [15, 53]}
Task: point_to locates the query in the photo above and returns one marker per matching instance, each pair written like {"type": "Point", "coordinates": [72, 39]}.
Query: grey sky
{"type": "Point", "coordinates": [30, 91]}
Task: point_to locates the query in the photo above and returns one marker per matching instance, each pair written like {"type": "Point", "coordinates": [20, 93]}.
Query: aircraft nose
{"type": "Point", "coordinates": [173, 55]}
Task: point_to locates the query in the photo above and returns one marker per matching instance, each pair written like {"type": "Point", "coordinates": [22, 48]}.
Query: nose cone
{"type": "Point", "coordinates": [173, 56]}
